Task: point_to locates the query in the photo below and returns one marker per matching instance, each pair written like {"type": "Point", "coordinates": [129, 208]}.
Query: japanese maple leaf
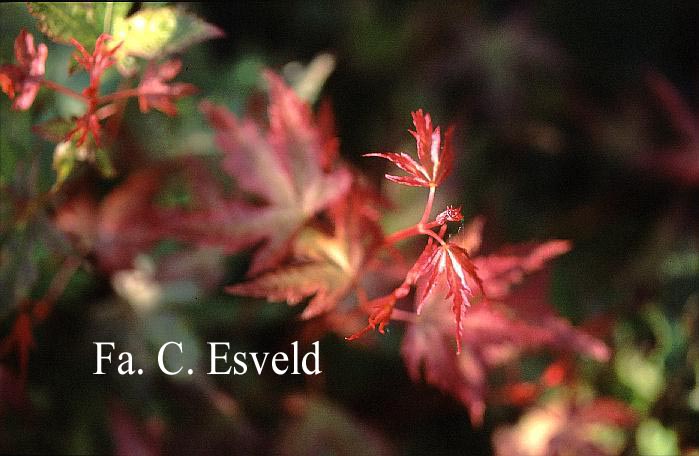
{"type": "Point", "coordinates": [97, 62]}
{"type": "Point", "coordinates": [493, 332]}
{"type": "Point", "coordinates": [450, 264]}
{"type": "Point", "coordinates": [21, 82]}
{"type": "Point", "coordinates": [448, 261]}
{"type": "Point", "coordinates": [155, 90]}
{"type": "Point", "coordinates": [120, 226]}
{"type": "Point", "coordinates": [325, 266]}
{"type": "Point", "coordinates": [95, 65]}
{"type": "Point", "coordinates": [281, 166]}
{"type": "Point", "coordinates": [435, 159]}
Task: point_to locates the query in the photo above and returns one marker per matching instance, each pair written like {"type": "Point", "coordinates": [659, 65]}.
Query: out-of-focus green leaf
{"type": "Point", "coordinates": [54, 130]}
{"type": "Point", "coordinates": [652, 438]}
{"type": "Point", "coordinates": [84, 21]}
{"type": "Point", "coordinates": [154, 32]}
{"type": "Point", "coordinates": [104, 164]}
{"type": "Point", "coordinates": [309, 80]}
{"type": "Point", "coordinates": [64, 158]}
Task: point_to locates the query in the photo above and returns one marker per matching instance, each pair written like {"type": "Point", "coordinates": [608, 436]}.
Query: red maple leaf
{"type": "Point", "coordinates": [98, 62]}
{"type": "Point", "coordinates": [435, 159]}
{"type": "Point", "coordinates": [495, 331]}
{"type": "Point", "coordinates": [95, 65]}
{"type": "Point", "coordinates": [451, 264]}
{"type": "Point", "coordinates": [125, 223]}
{"type": "Point", "coordinates": [324, 267]}
{"type": "Point", "coordinates": [281, 166]}
{"type": "Point", "coordinates": [21, 82]}
{"type": "Point", "coordinates": [156, 92]}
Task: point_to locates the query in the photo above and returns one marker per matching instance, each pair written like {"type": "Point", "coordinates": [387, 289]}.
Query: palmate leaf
{"type": "Point", "coordinates": [498, 327]}
{"type": "Point", "coordinates": [120, 226]}
{"type": "Point", "coordinates": [492, 335]}
{"type": "Point", "coordinates": [21, 81]}
{"type": "Point", "coordinates": [446, 264]}
{"type": "Point", "coordinates": [326, 282]}
{"type": "Point", "coordinates": [326, 267]}
{"type": "Point", "coordinates": [281, 166]}
{"type": "Point", "coordinates": [435, 157]}
{"type": "Point", "coordinates": [83, 21]}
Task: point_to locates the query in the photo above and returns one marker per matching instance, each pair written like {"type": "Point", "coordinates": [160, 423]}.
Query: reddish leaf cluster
{"type": "Point", "coordinates": [497, 328]}
{"type": "Point", "coordinates": [156, 92]}
{"type": "Point", "coordinates": [121, 225]}
{"type": "Point", "coordinates": [21, 82]}
{"type": "Point", "coordinates": [280, 168]}
{"type": "Point", "coordinates": [95, 65]}
{"type": "Point", "coordinates": [435, 159]}
{"type": "Point", "coordinates": [314, 224]}
{"type": "Point", "coordinates": [451, 263]}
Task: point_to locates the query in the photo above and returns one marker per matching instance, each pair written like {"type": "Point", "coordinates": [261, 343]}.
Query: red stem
{"type": "Point", "coordinates": [64, 90]}
{"type": "Point", "coordinates": [403, 315]}
{"type": "Point", "coordinates": [420, 228]}
{"type": "Point", "coordinates": [408, 232]}
{"type": "Point", "coordinates": [124, 93]}
{"type": "Point", "coordinates": [428, 206]}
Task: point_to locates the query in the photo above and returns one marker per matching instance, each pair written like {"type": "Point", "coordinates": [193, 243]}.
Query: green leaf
{"type": "Point", "coordinates": [104, 164]}
{"type": "Point", "coordinates": [64, 159]}
{"type": "Point", "coordinates": [652, 438]}
{"type": "Point", "coordinates": [54, 130]}
{"type": "Point", "coordinates": [155, 32]}
{"type": "Point", "coordinates": [84, 21]}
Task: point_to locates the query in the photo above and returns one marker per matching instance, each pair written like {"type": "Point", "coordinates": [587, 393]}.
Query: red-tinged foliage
{"type": "Point", "coordinates": [450, 214]}
{"type": "Point", "coordinates": [13, 394]}
{"type": "Point", "coordinates": [85, 126]}
{"type": "Point", "coordinates": [131, 437]}
{"type": "Point", "coordinates": [120, 226]}
{"type": "Point", "coordinates": [95, 65]}
{"type": "Point", "coordinates": [98, 62]}
{"type": "Point", "coordinates": [492, 331]}
{"type": "Point", "coordinates": [21, 341]}
{"type": "Point", "coordinates": [324, 267]}
{"type": "Point", "coordinates": [508, 266]}
{"type": "Point", "coordinates": [380, 311]}
{"type": "Point", "coordinates": [520, 394]}
{"type": "Point", "coordinates": [21, 82]}
{"type": "Point", "coordinates": [328, 136]}
{"type": "Point", "coordinates": [281, 166]}
{"type": "Point", "coordinates": [562, 426]}
{"type": "Point", "coordinates": [680, 161]}
{"type": "Point", "coordinates": [435, 159]}
{"type": "Point", "coordinates": [155, 90]}
{"type": "Point", "coordinates": [450, 263]}
{"type": "Point", "coordinates": [556, 373]}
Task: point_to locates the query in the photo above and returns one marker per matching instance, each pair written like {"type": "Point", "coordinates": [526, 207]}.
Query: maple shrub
{"type": "Point", "coordinates": [310, 222]}
{"type": "Point", "coordinates": [322, 240]}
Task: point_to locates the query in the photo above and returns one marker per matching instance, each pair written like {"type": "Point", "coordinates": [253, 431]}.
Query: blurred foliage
{"type": "Point", "coordinates": [555, 120]}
